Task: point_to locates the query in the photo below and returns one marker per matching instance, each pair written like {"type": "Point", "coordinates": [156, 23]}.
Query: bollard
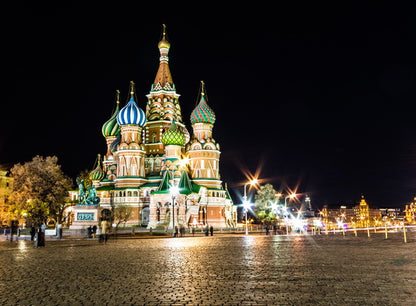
{"type": "Point", "coordinates": [404, 233]}
{"type": "Point", "coordinates": [385, 231]}
{"type": "Point", "coordinates": [368, 232]}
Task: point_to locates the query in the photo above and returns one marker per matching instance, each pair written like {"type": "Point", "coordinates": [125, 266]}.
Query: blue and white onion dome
{"type": "Point", "coordinates": [131, 114]}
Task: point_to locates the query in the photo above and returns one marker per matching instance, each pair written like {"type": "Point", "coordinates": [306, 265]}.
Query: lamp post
{"type": "Point", "coordinates": [174, 190]}
{"type": "Point", "coordinates": [291, 196]}
{"type": "Point", "coordinates": [245, 203]}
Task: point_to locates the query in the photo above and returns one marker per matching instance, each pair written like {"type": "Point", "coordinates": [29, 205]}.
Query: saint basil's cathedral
{"type": "Point", "coordinates": [150, 151]}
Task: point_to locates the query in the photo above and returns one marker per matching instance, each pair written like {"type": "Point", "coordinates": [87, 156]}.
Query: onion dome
{"type": "Point", "coordinates": [173, 136]}
{"type": "Point", "coordinates": [202, 112]}
{"type": "Point", "coordinates": [111, 127]}
{"type": "Point", "coordinates": [131, 113]}
{"type": "Point", "coordinates": [164, 43]}
{"type": "Point", "coordinates": [98, 173]}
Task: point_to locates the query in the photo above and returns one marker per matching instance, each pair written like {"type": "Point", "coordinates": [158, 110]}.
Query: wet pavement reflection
{"type": "Point", "coordinates": [219, 270]}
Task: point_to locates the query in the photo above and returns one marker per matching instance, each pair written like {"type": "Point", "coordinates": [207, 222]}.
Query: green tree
{"type": "Point", "coordinates": [40, 189]}
{"type": "Point", "coordinates": [264, 198]}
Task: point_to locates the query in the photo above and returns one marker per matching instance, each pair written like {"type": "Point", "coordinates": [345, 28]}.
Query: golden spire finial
{"type": "Point", "coordinates": [164, 30]}
{"type": "Point", "coordinates": [118, 96]}
{"type": "Point", "coordinates": [202, 88]}
{"type": "Point", "coordinates": [132, 88]}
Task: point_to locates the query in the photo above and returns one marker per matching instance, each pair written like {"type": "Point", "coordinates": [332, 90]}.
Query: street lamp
{"type": "Point", "coordinates": [291, 196]}
{"type": "Point", "coordinates": [245, 203]}
{"type": "Point", "coordinates": [174, 191]}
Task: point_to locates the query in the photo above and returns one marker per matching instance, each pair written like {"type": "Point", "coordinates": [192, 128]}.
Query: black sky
{"type": "Point", "coordinates": [321, 96]}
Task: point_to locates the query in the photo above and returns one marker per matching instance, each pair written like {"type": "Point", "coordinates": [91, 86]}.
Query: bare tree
{"type": "Point", "coordinates": [122, 213]}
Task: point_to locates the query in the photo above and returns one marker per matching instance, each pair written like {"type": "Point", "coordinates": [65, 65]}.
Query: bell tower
{"type": "Point", "coordinates": [162, 108]}
{"type": "Point", "coordinates": [203, 151]}
{"type": "Point", "coordinates": [130, 152]}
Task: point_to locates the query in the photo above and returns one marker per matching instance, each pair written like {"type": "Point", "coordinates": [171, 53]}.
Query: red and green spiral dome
{"type": "Point", "coordinates": [202, 113]}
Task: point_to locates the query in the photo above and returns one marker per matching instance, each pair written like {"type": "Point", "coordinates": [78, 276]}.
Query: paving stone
{"type": "Point", "coordinates": [219, 270]}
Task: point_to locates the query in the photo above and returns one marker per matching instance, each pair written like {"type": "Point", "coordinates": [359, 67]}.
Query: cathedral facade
{"type": "Point", "coordinates": [153, 164]}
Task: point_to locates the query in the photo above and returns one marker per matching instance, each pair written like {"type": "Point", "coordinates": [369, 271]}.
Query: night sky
{"type": "Point", "coordinates": [318, 97]}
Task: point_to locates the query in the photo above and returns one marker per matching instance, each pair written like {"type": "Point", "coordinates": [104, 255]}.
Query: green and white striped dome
{"type": "Point", "coordinates": [98, 173]}
{"type": "Point", "coordinates": [111, 127]}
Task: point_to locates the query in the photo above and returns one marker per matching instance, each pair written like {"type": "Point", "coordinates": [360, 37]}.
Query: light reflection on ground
{"type": "Point", "coordinates": [265, 270]}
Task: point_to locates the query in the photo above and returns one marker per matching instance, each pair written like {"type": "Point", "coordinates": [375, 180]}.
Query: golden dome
{"type": "Point", "coordinates": [164, 43]}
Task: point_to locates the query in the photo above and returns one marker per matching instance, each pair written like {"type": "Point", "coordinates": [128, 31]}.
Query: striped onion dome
{"type": "Point", "coordinates": [98, 173]}
{"type": "Point", "coordinates": [173, 136]}
{"type": "Point", "coordinates": [202, 112]}
{"type": "Point", "coordinates": [111, 127]}
{"type": "Point", "coordinates": [131, 113]}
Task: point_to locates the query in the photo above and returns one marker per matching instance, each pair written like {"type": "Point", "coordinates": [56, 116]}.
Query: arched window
{"type": "Point", "coordinates": [158, 214]}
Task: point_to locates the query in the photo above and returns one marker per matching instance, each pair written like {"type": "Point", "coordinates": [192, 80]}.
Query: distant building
{"type": "Point", "coordinates": [360, 215]}
{"type": "Point", "coordinates": [5, 189]}
{"type": "Point", "coordinates": [410, 212]}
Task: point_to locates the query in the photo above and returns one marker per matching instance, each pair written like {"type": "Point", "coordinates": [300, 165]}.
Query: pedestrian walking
{"type": "Point", "coordinates": [105, 228]}
{"type": "Point", "coordinates": [89, 232]}
{"type": "Point", "coordinates": [181, 230]}
{"type": "Point", "coordinates": [13, 229]}
{"type": "Point", "coordinates": [211, 230]}
{"type": "Point", "coordinates": [94, 231]}
{"type": "Point", "coordinates": [32, 233]}
{"type": "Point", "coordinates": [267, 229]}
{"type": "Point", "coordinates": [206, 230]}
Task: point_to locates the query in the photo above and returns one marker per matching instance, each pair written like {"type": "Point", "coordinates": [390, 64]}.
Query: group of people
{"type": "Point", "coordinates": [210, 230]}
{"type": "Point", "coordinates": [179, 231]}
{"type": "Point", "coordinates": [268, 229]}
{"type": "Point", "coordinates": [92, 231]}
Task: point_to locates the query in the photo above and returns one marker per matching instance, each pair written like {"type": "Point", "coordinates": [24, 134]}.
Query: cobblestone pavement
{"type": "Point", "coordinates": [219, 270]}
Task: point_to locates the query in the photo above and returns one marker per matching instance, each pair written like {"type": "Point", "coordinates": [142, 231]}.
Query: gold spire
{"type": "Point", "coordinates": [118, 96]}
{"type": "Point", "coordinates": [202, 88]}
{"type": "Point", "coordinates": [132, 89]}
